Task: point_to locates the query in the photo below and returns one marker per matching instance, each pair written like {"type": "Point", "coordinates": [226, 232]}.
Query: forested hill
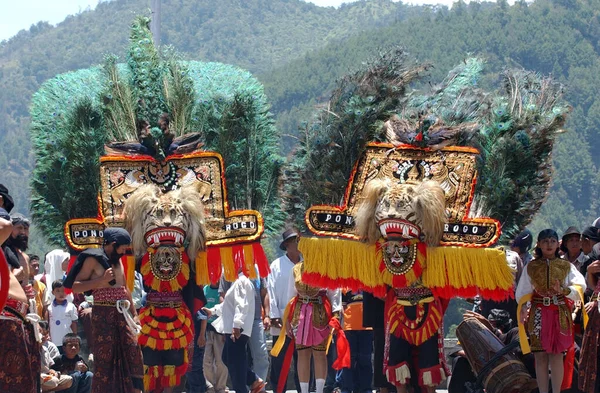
{"type": "Point", "coordinates": [298, 50]}
{"type": "Point", "coordinates": [557, 37]}
{"type": "Point", "coordinates": [257, 35]}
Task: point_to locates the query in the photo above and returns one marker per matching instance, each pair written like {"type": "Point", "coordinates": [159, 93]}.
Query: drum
{"type": "Point", "coordinates": [502, 373]}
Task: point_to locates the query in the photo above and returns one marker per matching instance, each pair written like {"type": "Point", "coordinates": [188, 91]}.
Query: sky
{"type": "Point", "coordinates": [21, 14]}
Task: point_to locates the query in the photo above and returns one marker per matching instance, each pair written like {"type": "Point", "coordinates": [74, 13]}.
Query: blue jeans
{"type": "Point", "coordinates": [196, 383]}
{"type": "Point", "coordinates": [258, 350]}
{"type": "Point", "coordinates": [82, 382]}
{"type": "Point", "coordinates": [358, 377]}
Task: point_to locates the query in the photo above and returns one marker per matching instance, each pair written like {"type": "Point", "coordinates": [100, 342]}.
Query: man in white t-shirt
{"type": "Point", "coordinates": [277, 285]}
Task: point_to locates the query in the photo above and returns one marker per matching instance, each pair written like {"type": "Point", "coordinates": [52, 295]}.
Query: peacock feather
{"type": "Point", "coordinates": [335, 138]}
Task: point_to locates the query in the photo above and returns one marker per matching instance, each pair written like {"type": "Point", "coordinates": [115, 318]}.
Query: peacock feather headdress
{"type": "Point", "coordinates": [210, 105]}
{"type": "Point", "coordinates": [512, 128]}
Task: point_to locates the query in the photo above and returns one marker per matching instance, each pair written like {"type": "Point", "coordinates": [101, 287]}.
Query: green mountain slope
{"type": "Point", "coordinates": [298, 50]}
{"type": "Point", "coordinates": [551, 37]}
{"type": "Point", "coordinates": [254, 34]}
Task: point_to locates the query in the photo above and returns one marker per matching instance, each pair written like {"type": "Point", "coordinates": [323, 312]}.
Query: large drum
{"type": "Point", "coordinates": [503, 374]}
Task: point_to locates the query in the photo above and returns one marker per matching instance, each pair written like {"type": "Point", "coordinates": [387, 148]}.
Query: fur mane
{"type": "Point", "coordinates": [186, 200]}
{"type": "Point", "coordinates": [427, 201]}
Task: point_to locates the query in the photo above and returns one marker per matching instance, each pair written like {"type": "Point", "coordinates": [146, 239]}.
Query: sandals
{"type": "Point", "coordinates": [258, 386]}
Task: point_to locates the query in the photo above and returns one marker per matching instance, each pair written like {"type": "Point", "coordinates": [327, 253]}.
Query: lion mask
{"type": "Point", "coordinates": [402, 212]}
{"type": "Point", "coordinates": [175, 218]}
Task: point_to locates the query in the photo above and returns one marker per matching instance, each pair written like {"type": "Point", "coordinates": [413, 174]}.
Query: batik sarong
{"type": "Point", "coordinates": [117, 355]}
{"type": "Point", "coordinates": [19, 351]}
{"type": "Point", "coordinates": [588, 361]}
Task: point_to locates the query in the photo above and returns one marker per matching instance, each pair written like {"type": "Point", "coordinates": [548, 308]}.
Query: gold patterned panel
{"type": "Point", "coordinates": [120, 176]}
{"type": "Point", "coordinates": [453, 168]}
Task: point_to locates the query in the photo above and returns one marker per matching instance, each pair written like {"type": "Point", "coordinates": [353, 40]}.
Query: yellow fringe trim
{"type": "Point", "coordinates": [461, 267]}
{"type": "Point", "coordinates": [445, 267]}
{"type": "Point", "coordinates": [228, 263]}
{"type": "Point", "coordinates": [202, 268]}
{"type": "Point", "coordinates": [249, 261]}
{"type": "Point", "coordinates": [130, 272]}
{"type": "Point", "coordinates": [342, 259]}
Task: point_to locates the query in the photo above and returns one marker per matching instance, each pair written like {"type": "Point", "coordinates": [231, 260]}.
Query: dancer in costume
{"type": "Point", "coordinates": [155, 179]}
{"type": "Point", "coordinates": [19, 345]}
{"type": "Point", "coordinates": [413, 313]}
{"type": "Point", "coordinates": [550, 284]}
{"type": "Point", "coordinates": [167, 330]}
{"type": "Point", "coordinates": [117, 355]}
{"type": "Point", "coordinates": [589, 358]}
{"type": "Point", "coordinates": [394, 183]}
{"type": "Point", "coordinates": [309, 314]}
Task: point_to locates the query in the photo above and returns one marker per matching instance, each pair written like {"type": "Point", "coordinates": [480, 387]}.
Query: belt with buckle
{"type": "Point", "coordinates": [309, 299]}
{"type": "Point", "coordinates": [413, 300]}
{"type": "Point", "coordinates": [547, 301]}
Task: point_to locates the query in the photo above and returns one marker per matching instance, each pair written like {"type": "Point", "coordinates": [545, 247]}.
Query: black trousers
{"type": "Point", "coordinates": [235, 357]}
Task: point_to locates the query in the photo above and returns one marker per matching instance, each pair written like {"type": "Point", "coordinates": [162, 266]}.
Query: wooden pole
{"type": "Point", "coordinates": [155, 23]}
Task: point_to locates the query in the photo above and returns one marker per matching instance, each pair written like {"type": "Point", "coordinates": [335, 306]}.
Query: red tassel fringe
{"type": "Point", "coordinates": [214, 264]}
{"type": "Point", "coordinates": [260, 258]}
{"type": "Point", "coordinates": [319, 281]}
{"type": "Point", "coordinates": [165, 381]}
{"type": "Point", "coordinates": [238, 259]}
{"type": "Point", "coordinates": [437, 375]}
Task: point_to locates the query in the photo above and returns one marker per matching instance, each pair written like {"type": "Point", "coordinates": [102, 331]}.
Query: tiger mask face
{"type": "Point", "coordinates": [172, 219]}
{"type": "Point", "coordinates": [402, 212]}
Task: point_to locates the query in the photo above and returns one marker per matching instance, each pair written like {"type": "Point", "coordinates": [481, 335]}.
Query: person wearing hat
{"type": "Point", "coordinates": [6, 201]}
{"type": "Point", "coordinates": [590, 245]}
{"type": "Point", "coordinates": [117, 354]}
{"type": "Point", "coordinates": [547, 283]}
{"type": "Point", "coordinates": [277, 286]}
{"type": "Point", "coordinates": [570, 245]}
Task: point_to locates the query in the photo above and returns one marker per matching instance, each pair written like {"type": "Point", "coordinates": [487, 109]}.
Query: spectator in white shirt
{"type": "Point", "coordinates": [236, 315]}
{"type": "Point", "coordinates": [257, 343]}
{"type": "Point", "coordinates": [279, 296]}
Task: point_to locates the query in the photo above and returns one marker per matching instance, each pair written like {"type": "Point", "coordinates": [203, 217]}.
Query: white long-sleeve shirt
{"type": "Point", "coordinates": [277, 286]}
{"type": "Point", "coordinates": [334, 295]}
{"type": "Point", "coordinates": [525, 286]}
{"type": "Point", "coordinates": [237, 309]}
